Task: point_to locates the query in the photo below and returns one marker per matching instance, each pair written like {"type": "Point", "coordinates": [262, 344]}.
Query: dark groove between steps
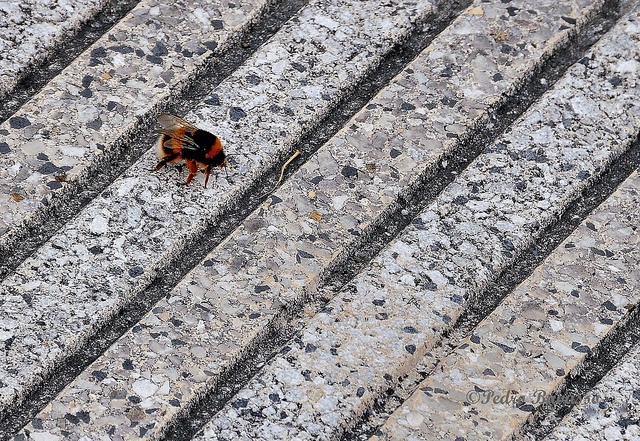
{"type": "Point", "coordinates": [36, 76]}
{"type": "Point", "coordinates": [14, 418]}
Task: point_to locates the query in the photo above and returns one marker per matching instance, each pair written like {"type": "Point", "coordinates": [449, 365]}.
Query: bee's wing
{"type": "Point", "coordinates": [191, 145]}
{"type": "Point", "coordinates": [178, 128]}
{"type": "Point", "coordinates": [172, 125]}
{"type": "Point", "coordinates": [183, 142]}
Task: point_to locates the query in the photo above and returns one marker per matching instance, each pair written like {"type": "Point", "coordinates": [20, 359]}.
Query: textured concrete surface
{"type": "Point", "coordinates": [521, 353]}
{"type": "Point", "coordinates": [277, 255]}
{"type": "Point", "coordinates": [260, 111]}
{"type": "Point", "coordinates": [372, 333]}
{"type": "Point", "coordinates": [384, 324]}
{"type": "Point", "coordinates": [611, 411]}
{"type": "Point", "coordinates": [541, 333]}
{"type": "Point", "coordinates": [30, 29]}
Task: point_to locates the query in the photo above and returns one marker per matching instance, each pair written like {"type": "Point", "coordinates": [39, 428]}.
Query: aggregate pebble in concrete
{"type": "Point", "coordinates": [376, 331]}
{"type": "Point", "coordinates": [30, 29]}
{"type": "Point", "coordinates": [610, 411]}
{"type": "Point", "coordinates": [178, 349]}
{"type": "Point", "coordinates": [110, 251]}
{"type": "Point", "coordinates": [80, 114]}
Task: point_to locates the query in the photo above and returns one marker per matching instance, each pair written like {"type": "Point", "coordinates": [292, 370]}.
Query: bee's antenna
{"type": "Point", "coordinates": [226, 162]}
{"type": "Point", "coordinates": [226, 165]}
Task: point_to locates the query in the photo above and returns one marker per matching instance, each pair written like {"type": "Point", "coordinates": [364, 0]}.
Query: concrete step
{"type": "Point", "coordinates": [611, 410]}
{"type": "Point", "coordinates": [147, 314]}
{"type": "Point", "coordinates": [31, 31]}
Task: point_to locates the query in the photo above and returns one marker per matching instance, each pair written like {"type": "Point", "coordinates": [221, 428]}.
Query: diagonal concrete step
{"type": "Point", "coordinates": [70, 133]}
{"type": "Point", "coordinates": [611, 410]}
{"type": "Point", "coordinates": [273, 262]}
{"type": "Point", "coordinates": [30, 31]}
{"type": "Point", "coordinates": [76, 283]}
{"type": "Point", "coordinates": [368, 336]}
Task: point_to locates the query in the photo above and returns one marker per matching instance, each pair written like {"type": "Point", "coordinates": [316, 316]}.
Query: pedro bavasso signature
{"type": "Point", "coordinates": [516, 399]}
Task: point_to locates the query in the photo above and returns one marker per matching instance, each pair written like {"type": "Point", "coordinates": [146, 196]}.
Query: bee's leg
{"type": "Point", "coordinates": [225, 165]}
{"type": "Point", "coordinates": [164, 161]}
{"type": "Point", "coordinates": [193, 170]}
{"type": "Point", "coordinates": [158, 166]}
{"type": "Point", "coordinates": [207, 172]}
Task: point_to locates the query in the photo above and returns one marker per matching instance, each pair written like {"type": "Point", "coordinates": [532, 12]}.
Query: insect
{"type": "Point", "coordinates": [198, 148]}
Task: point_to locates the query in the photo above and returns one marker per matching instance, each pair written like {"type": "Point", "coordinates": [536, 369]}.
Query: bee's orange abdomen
{"type": "Point", "coordinates": [215, 149]}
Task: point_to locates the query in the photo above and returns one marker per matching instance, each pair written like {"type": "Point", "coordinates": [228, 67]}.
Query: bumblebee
{"type": "Point", "coordinates": [198, 148]}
